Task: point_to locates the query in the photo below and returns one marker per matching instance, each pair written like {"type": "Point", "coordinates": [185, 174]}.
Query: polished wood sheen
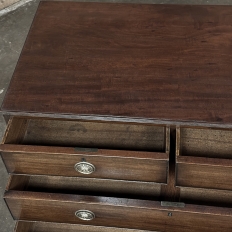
{"type": "Point", "coordinates": [31, 204]}
{"type": "Point", "coordinates": [169, 63]}
{"type": "Point", "coordinates": [141, 92]}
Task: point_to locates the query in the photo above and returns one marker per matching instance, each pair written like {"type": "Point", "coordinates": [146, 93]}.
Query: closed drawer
{"type": "Point", "coordinates": [204, 158]}
{"type": "Point", "coordinates": [26, 226]}
{"type": "Point", "coordinates": [28, 203]}
{"type": "Point", "coordinates": [86, 149]}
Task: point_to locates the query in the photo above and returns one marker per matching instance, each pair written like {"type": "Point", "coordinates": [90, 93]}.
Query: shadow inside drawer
{"type": "Point", "coordinates": [83, 186]}
{"type": "Point", "coordinates": [102, 135]}
{"type": "Point", "coordinates": [210, 197]}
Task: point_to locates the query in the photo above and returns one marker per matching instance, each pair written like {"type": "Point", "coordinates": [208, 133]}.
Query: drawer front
{"type": "Point", "coordinates": [26, 226]}
{"type": "Point", "coordinates": [204, 173]}
{"type": "Point", "coordinates": [116, 212]}
{"type": "Point", "coordinates": [121, 165]}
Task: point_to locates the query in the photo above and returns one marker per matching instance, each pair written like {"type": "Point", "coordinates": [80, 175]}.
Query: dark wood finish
{"type": "Point", "coordinates": [119, 212]}
{"type": "Point", "coordinates": [200, 177]}
{"type": "Point", "coordinates": [110, 164]}
{"type": "Point", "coordinates": [112, 71]}
{"type": "Point", "coordinates": [15, 131]}
{"type": "Point", "coordinates": [160, 62]}
{"type": "Point", "coordinates": [202, 142]}
{"type": "Point", "coordinates": [111, 135]}
{"type": "Point", "coordinates": [204, 176]}
{"type": "Point", "coordinates": [139, 169]}
{"type": "Point", "coordinates": [205, 196]}
{"type": "Point", "coordinates": [92, 186]}
{"type": "Point", "coordinates": [203, 158]}
{"type": "Point", "coordinates": [24, 226]}
{"type": "Point", "coordinates": [170, 192]}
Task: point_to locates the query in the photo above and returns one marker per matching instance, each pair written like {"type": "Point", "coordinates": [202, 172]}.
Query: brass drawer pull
{"type": "Point", "coordinates": [85, 215]}
{"type": "Point", "coordinates": [84, 167]}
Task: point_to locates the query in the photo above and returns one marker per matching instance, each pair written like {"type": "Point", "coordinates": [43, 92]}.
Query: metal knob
{"type": "Point", "coordinates": [85, 215]}
{"type": "Point", "coordinates": [84, 167]}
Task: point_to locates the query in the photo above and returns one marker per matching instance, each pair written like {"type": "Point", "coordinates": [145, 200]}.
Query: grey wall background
{"type": "Point", "coordinates": [15, 22]}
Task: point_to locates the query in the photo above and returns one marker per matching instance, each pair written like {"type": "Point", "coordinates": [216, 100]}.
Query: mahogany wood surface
{"type": "Point", "coordinates": [161, 62]}
{"type": "Point", "coordinates": [33, 157]}
{"type": "Point", "coordinates": [24, 226]}
{"type": "Point", "coordinates": [204, 158]}
{"type": "Point", "coordinates": [29, 203]}
{"type": "Point", "coordinates": [206, 142]}
{"type": "Point", "coordinates": [105, 167]}
{"type": "Point", "coordinates": [92, 134]}
{"type": "Point", "coordinates": [117, 212]}
{"type": "Point", "coordinates": [204, 176]}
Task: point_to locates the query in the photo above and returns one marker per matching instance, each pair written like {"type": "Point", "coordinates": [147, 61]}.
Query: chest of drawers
{"type": "Point", "coordinates": [120, 119]}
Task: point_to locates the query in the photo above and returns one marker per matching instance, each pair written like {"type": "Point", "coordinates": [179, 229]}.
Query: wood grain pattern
{"type": "Point", "coordinates": [202, 142]}
{"type": "Point", "coordinates": [204, 176]}
{"type": "Point", "coordinates": [204, 158]}
{"type": "Point", "coordinates": [23, 226]}
{"type": "Point", "coordinates": [105, 167]}
{"type": "Point", "coordinates": [203, 196]}
{"type": "Point", "coordinates": [119, 212]}
{"type": "Point", "coordinates": [15, 131]}
{"type": "Point", "coordinates": [132, 164]}
{"type": "Point", "coordinates": [126, 136]}
{"type": "Point", "coordinates": [164, 62]}
{"type": "Point", "coordinates": [116, 136]}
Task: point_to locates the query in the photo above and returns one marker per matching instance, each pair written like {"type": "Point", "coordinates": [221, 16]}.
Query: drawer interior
{"type": "Point", "coordinates": [203, 196]}
{"type": "Point", "coordinates": [102, 135]}
{"type": "Point", "coordinates": [83, 186]}
{"type": "Point", "coordinates": [202, 142]}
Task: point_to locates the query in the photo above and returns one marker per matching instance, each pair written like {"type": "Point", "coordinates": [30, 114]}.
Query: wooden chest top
{"type": "Point", "coordinates": [166, 63]}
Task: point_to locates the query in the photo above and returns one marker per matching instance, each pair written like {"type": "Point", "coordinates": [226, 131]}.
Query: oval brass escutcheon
{"type": "Point", "coordinates": [85, 215]}
{"type": "Point", "coordinates": [84, 167]}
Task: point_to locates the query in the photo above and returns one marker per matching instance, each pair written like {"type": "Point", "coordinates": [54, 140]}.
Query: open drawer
{"type": "Point", "coordinates": [204, 158]}
{"type": "Point", "coordinates": [107, 150]}
{"type": "Point", "coordinates": [27, 200]}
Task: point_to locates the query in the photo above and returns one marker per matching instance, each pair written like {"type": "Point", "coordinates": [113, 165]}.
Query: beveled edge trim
{"type": "Point", "coordinates": [111, 118]}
